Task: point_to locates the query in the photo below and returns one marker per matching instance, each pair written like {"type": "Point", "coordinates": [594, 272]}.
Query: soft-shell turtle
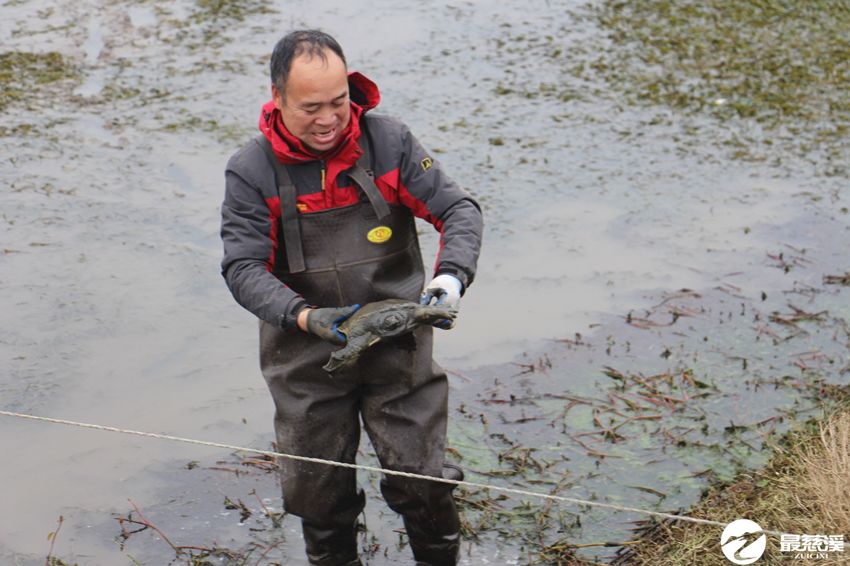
{"type": "Point", "coordinates": [382, 319]}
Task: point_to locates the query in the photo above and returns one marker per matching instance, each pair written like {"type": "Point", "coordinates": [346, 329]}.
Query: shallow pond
{"type": "Point", "coordinates": [650, 302]}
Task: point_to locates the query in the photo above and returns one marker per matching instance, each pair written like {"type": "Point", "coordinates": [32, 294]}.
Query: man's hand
{"type": "Point", "coordinates": [325, 322]}
{"type": "Point", "coordinates": [443, 290]}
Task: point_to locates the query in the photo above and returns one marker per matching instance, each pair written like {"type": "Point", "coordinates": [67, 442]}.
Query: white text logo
{"type": "Point", "coordinates": [811, 546]}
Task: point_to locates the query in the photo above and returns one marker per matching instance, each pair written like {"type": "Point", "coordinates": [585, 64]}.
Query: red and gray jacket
{"type": "Point", "coordinates": [403, 172]}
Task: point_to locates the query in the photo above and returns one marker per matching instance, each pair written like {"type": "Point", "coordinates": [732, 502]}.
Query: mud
{"type": "Point", "coordinates": [660, 288]}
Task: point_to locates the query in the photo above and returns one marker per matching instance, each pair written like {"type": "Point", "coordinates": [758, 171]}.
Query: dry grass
{"type": "Point", "coordinates": [827, 476]}
{"type": "Point", "coordinates": [805, 489]}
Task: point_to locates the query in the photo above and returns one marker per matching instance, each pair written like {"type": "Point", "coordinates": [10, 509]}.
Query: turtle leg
{"type": "Point", "coordinates": [337, 360]}
{"type": "Point", "coordinates": [347, 356]}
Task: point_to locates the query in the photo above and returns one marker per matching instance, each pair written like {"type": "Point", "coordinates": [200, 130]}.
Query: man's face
{"type": "Point", "coordinates": [315, 107]}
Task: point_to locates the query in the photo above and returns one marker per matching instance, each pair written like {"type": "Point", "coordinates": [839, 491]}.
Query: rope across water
{"type": "Point", "coordinates": [509, 490]}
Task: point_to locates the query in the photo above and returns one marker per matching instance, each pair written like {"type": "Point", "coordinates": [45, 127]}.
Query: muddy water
{"type": "Point", "coordinates": [598, 215]}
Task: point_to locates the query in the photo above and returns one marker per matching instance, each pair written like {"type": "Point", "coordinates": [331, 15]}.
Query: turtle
{"type": "Point", "coordinates": [382, 319]}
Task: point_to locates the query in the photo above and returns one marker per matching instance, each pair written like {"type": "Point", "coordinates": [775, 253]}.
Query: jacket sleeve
{"type": "Point", "coordinates": [248, 235]}
{"type": "Point", "coordinates": [426, 189]}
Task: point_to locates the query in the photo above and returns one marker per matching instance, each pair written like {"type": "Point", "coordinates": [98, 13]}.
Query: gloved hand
{"type": "Point", "coordinates": [324, 322]}
{"type": "Point", "coordinates": [443, 290]}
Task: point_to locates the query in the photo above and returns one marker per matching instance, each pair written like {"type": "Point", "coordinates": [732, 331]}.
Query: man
{"type": "Point", "coordinates": [318, 218]}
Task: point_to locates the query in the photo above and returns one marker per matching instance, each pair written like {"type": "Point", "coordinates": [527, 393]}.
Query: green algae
{"type": "Point", "coordinates": [22, 73]}
{"type": "Point", "coordinates": [759, 81]}
{"type": "Point", "coordinates": [225, 133]}
{"type": "Point", "coordinates": [209, 16]}
{"type": "Point", "coordinates": [775, 62]}
{"type": "Point", "coordinates": [768, 59]}
{"type": "Point", "coordinates": [233, 10]}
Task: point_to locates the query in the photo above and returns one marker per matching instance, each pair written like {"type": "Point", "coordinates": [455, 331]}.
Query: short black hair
{"type": "Point", "coordinates": [310, 41]}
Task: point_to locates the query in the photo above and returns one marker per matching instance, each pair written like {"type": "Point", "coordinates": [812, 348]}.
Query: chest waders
{"type": "Point", "coordinates": [396, 387]}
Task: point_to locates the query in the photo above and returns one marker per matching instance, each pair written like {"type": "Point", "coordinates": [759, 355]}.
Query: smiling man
{"type": "Point", "coordinates": [318, 109]}
{"type": "Point", "coordinates": [318, 218]}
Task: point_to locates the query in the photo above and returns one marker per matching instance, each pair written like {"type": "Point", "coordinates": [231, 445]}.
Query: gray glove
{"type": "Point", "coordinates": [325, 322]}
{"type": "Point", "coordinates": [443, 291]}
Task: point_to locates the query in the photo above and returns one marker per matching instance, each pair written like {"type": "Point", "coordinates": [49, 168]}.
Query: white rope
{"type": "Point", "coordinates": [373, 469]}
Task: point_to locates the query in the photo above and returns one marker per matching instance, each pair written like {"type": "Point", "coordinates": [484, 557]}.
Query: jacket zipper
{"type": "Point", "coordinates": [324, 175]}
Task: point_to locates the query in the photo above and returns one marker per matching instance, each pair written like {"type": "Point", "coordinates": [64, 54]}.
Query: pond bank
{"type": "Point", "coordinates": [802, 490]}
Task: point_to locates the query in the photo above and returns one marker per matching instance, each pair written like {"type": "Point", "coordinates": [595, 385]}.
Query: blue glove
{"type": "Point", "coordinates": [325, 322]}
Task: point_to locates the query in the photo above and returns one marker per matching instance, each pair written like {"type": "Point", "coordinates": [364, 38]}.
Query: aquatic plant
{"type": "Point", "coordinates": [24, 75]}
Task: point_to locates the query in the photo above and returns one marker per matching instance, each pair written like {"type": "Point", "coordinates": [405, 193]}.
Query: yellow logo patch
{"type": "Point", "coordinates": [426, 163]}
{"type": "Point", "coordinates": [301, 207]}
{"type": "Point", "coordinates": [379, 235]}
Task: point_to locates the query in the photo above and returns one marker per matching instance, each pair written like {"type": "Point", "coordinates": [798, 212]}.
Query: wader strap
{"type": "Point", "coordinates": [364, 177]}
{"type": "Point", "coordinates": [288, 208]}
{"type": "Point", "coordinates": [367, 185]}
